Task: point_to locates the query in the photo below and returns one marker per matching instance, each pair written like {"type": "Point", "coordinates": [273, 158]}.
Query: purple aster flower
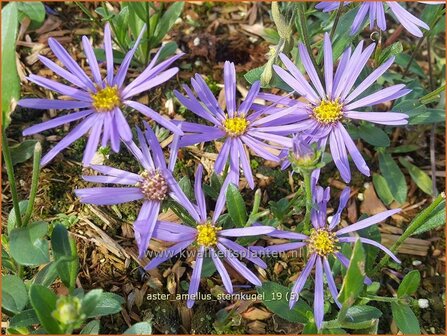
{"type": "Point", "coordinates": [152, 186]}
{"type": "Point", "coordinates": [100, 100]}
{"type": "Point", "coordinates": [324, 240]}
{"type": "Point", "coordinates": [209, 239]}
{"type": "Point", "coordinates": [376, 13]}
{"type": "Point", "coordinates": [239, 126]}
{"type": "Point", "coordinates": [330, 106]}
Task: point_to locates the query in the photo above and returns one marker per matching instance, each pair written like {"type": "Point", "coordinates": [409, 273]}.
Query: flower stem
{"type": "Point", "coordinates": [11, 178]}
{"type": "Point", "coordinates": [305, 36]}
{"type": "Point", "coordinates": [417, 222]}
{"type": "Point", "coordinates": [34, 183]}
{"type": "Point", "coordinates": [380, 298]}
{"type": "Point", "coordinates": [337, 18]}
{"type": "Point", "coordinates": [308, 191]}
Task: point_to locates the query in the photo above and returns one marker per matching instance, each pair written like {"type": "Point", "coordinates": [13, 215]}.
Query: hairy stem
{"type": "Point", "coordinates": [308, 191]}
{"type": "Point", "coordinates": [34, 183]}
{"type": "Point", "coordinates": [305, 36]}
{"type": "Point", "coordinates": [11, 178]}
{"type": "Point", "coordinates": [337, 18]}
{"type": "Point", "coordinates": [417, 222]}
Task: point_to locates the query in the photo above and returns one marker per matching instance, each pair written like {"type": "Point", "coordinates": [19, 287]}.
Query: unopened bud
{"type": "Point", "coordinates": [68, 311]}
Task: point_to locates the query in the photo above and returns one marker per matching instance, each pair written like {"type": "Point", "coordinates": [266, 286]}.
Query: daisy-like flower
{"type": "Point", "coordinates": [329, 107]}
{"type": "Point", "coordinates": [153, 186]}
{"type": "Point", "coordinates": [100, 100]}
{"type": "Point", "coordinates": [209, 239]}
{"type": "Point", "coordinates": [325, 240]}
{"type": "Point", "coordinates": [376, 13]}
{"type": "Point", "coordinates": [238, 126]}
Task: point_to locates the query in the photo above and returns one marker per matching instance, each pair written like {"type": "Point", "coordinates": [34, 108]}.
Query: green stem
{"type": "Point", "coordinates": [305, 36]}
{"type": "Point", "coordinates": [433, 23]}
{"type": "Point", "coordinates": [417, 222]}
{"type": "Point", "coordinates": [379, 298]}
{"type": "Point", "coordinates": [337, 18]}
{"type": "Point", "coordinates": [34, 183]}
{"type": "Point", "coordinates": [256, 202]}
{"type": "Point", "coordinates": [87, 12]}
{"type": "Point", "coordinates": [308, 191]}
{"type": "Point", "coordinates": [148, 34]}
{"type": "Point", "coordinates": [11, 178]}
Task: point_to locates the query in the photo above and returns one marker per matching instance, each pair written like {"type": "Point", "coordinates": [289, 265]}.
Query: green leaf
{"type": "Point", "coordinates": [436, 219]}
{"type": "Point", "coordinates": [25, 318]}
{"type": "Point", "coordinates": [422, 180]}
{"type": "Point", "coordinates": [12, 222]}
{"type": "Point", "coordinates": [372, 232]}
{"type": "Point", "coordinates": [356, 317]}
{"type": "Point", "coordinates": [353, 281]}
{"type": "Point", "coordinates": [430, 116]}
{"type": "Point", "coordinates": [236, 206]}
{"type": "Point", "coordinates": [393, 176]}
{"type": "Point", "coordinates": [392, 50]}
{"type": "Point", "coordinates": [403, 149]}
{"type": "Point", "coordinates": [10, 77]}
{"type": "Point", "coordinates": [310, 329]}
{"type": "Point", "coordinates": [139, 9]}
{"type": "Point", "coordinates": [382, 189]}
{"type": "Point", "coordinates": [141, 328]}
{"type": "Point", "coordinates": [167, 50]}
{"type": "Point", "coordinates": [276, 298]}
{"type": "Point", "coordinates": [168, 19]}
{"type": "Point", "coordinates": [105, 14]}
{"type": "Point", "coordinates": [402, 59]}
{"type": "Point", "coordinates": [373, 135]}
{"type": "Point", "coordinates": [7, 262]}
{"type": "Point", "coordinates": [118, 56]}
{"type": "Point", "coordinates": [433, 96]}
{"type": "Point", "coordinates": [91, 328]}
{"type": "Point", "coordinates": [405, 319]}
{"type": "Point", "coordinates": [276, 81]}
{"type": "Point", "coordinates": [185, 185]}
{"type": "Point", "coordinates": [108, 304]}
{"type": "Point", "coordinates": [43, 301]}
{"type": "Point", "coordinates": [36, 251]}
{"type": "Point", "coordinates": [46, 275]}
{"type": "Point", "coordinates": [64, 246]}
{"type": "Point", "coordinates": [409, 284]}
{"type": "Point", "coordinates": [121, 25]}
{"type": "Point", "coordinates": [91, 300]}
{"type": "Point", "coordinates": [35, 11]}
{"type": "Point", "coordinates": [208, 267]}
{"type": "Point", "coordinates": [14, 294]}
{"type": "Point", "coordinates": [23, 151]}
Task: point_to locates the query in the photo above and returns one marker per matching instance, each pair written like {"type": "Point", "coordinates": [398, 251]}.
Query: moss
{"type": "Point", "coordinates": [203, 318]}
{"type": "Point", "coordinates": [164, 316]}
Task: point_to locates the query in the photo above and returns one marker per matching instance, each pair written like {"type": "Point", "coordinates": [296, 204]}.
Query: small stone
{"type": "Point", "coordinates": [196, 42]}
{"type": "Point", "coordinates": [423, 303]}
{"type": "Point", "coordinates": [360, 196]}
{"type": "Point", "coordinates": [436, 253]}
{"type": "Point", "coordinates": [417, 263]}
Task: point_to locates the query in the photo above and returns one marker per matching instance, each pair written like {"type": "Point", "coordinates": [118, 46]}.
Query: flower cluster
{"type": "Point", "coordinates": [294, 129]}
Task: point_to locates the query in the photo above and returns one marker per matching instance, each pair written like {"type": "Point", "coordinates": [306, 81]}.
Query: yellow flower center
{"type": "Point", "coordinates": [207, 234]}
{"type": "Point", "coordinates": [328, 111]}
{"type": "Point", "coordinates": [106, 99]}
{"type": "Point", "coordinates": [322, 242]}
{"type": "Point", "coordinates": [235, 126]}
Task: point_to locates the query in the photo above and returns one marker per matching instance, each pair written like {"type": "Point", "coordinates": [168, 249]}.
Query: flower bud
{"type": "Point", "coordinates": [305, 154]}
{"type": "Point", "coordinates": [68, 311]}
